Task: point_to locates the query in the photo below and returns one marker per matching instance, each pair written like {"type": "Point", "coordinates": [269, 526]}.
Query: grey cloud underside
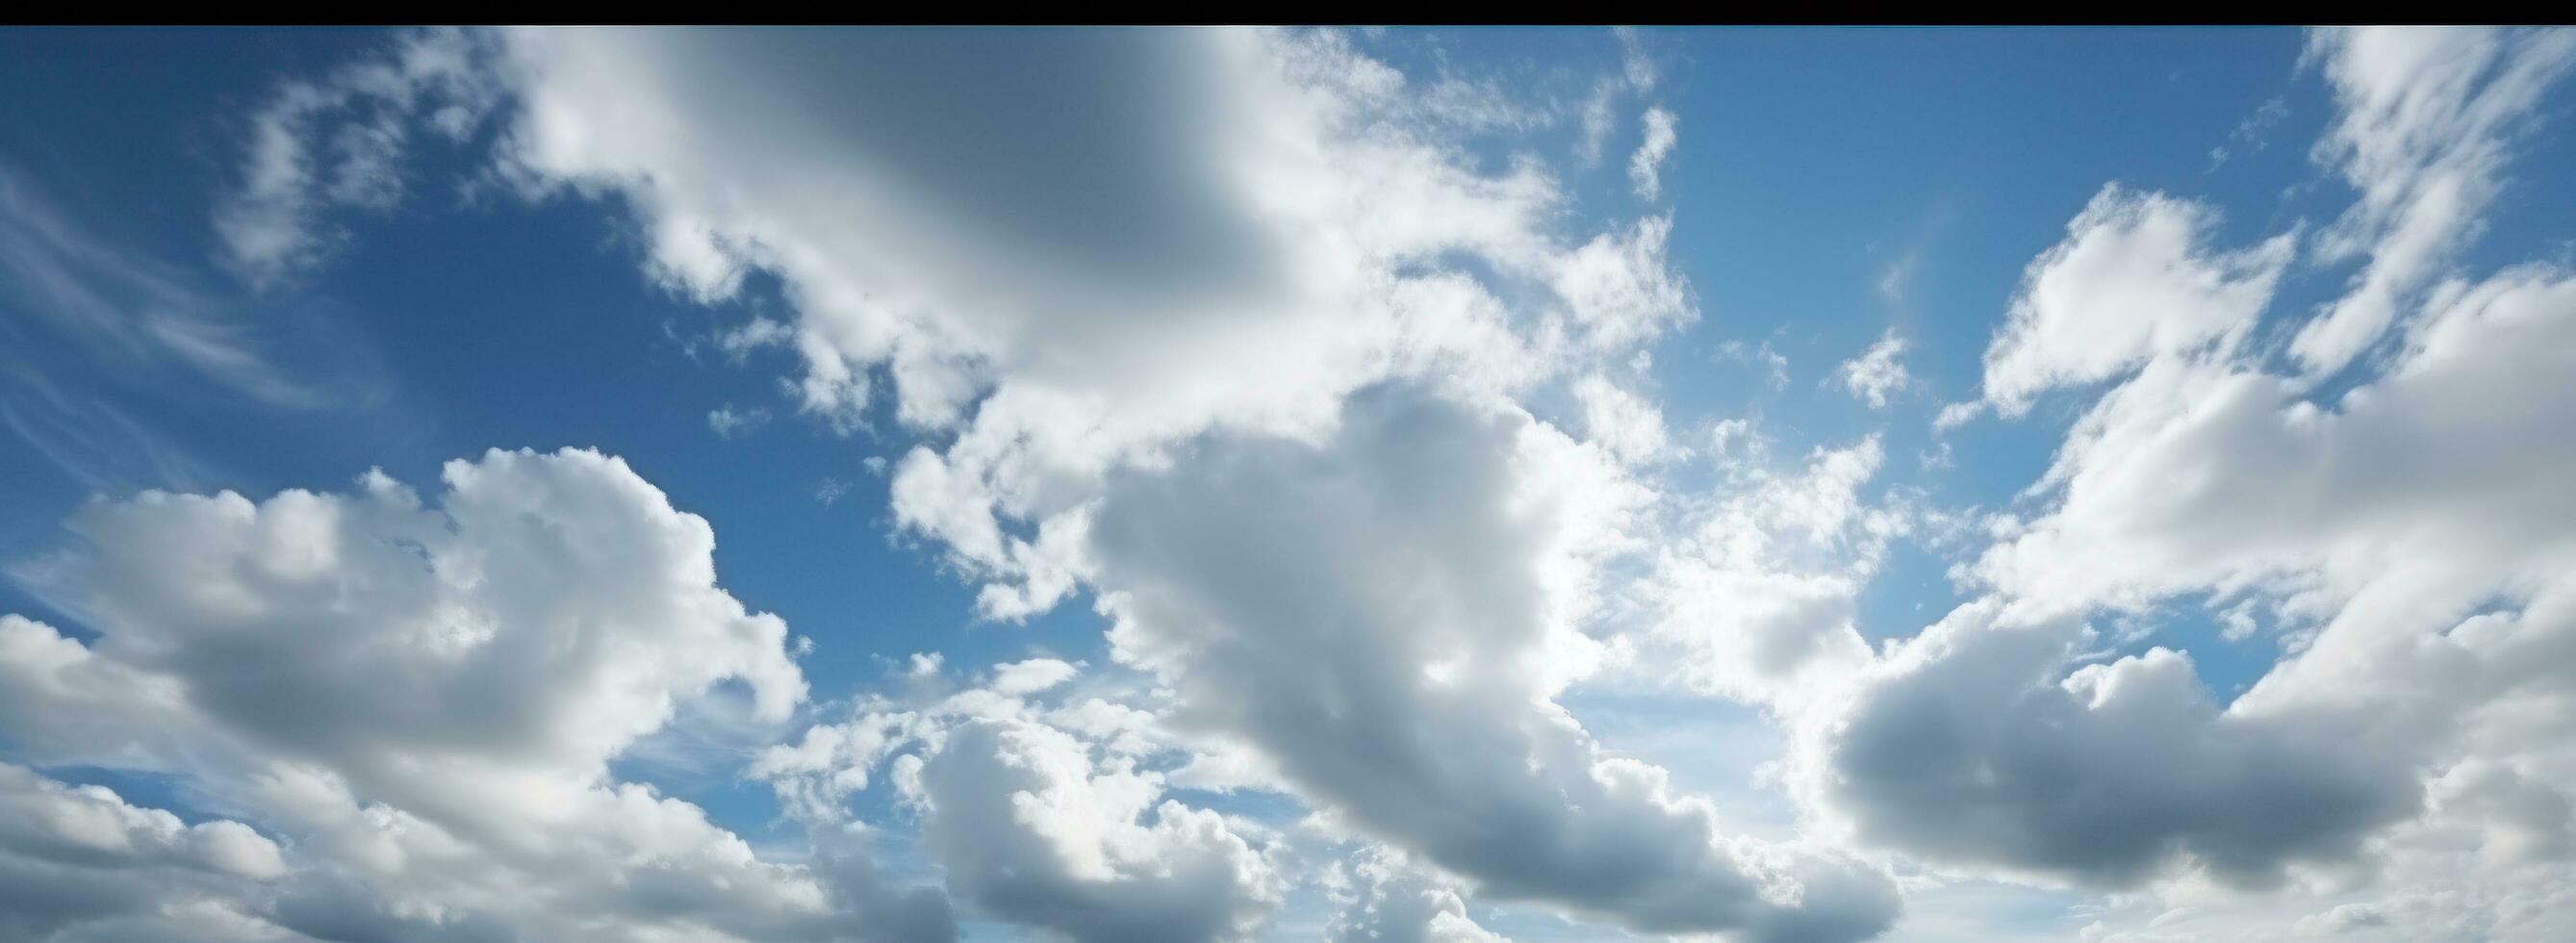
{"type": "Point", "coordinates": [1973, 751]}
{"type": "Point", "coordinates": [2418, 523]}
{"type": "Point", "coordinates": [2409, 535]}
{"type": "Point", "coordinates": [1070, 153]}
{"type": "Point", "coordinates": [1304, 598]}
{"type": "Point", "coordinates": [2431, 547]}
{"type": "Point", "coordinates": [83, 862]}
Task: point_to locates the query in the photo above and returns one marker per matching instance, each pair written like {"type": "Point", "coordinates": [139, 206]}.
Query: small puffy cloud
{"type": "Point", "coordinates": [728, 422]}
{"type": "Point", "coordinates": [1029, 677]}
{"type": "Point", "coordinates": [1876, 374]}
{"type": "Point", "coordinates": [2131, 281]}
{"type": "Point", "coordinates": [1774, 364]}
{"type": "Point", "coordinates": [340, 142]}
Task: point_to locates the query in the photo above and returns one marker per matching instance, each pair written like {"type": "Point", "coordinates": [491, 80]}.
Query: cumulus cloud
{"type": "Point", "coordinates": [1323, 224]}
{"type": "Point", "coordinates": [414, 693]}
{"type": "Point", "coordinates": [2405, 537]}
{"type": "Point", "coordinates": [1969, 746]}
{"type": "Point", "coordinates": [2131, 281]}
{"type": "Point", "coordinates": [1876, 374]}
{"type": "Point", "coordinates": [1386, 615]}
{"type": "Point", "coordinates": [81, 860]}
{"type": "Point", "coordinates": [2425, 554]}
{"type": "Point", "coordinates": [2331, 497]}
{"type": "Point", "coordinates": [1031, 832]}
{"type": "Point", "coordinates": [1053, 816]}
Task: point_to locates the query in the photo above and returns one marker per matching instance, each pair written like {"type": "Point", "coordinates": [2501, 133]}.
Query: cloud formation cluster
{"type": "Point", "coordinates": [1344, 419]}
{"type": "Point", "coordinates": [418, 701]}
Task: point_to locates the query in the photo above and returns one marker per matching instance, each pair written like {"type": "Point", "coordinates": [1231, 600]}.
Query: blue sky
{"type": "Point", "coordinates": [1027, 347]}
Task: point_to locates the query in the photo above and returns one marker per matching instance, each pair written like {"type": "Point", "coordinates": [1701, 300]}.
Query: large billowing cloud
{"type": "Point", "coordinates": [1060, 252]}
{"type": "Point", "coordinates": [1386, 614]}
{"type": "Point", "coordinates": [2406, 538]}
{"type": "Point", "coordinates": [1969, 746]}
{"type": "Point", "coordinates": [2413, 535]}
{"type": "Point", "coordinates": [421, 702]}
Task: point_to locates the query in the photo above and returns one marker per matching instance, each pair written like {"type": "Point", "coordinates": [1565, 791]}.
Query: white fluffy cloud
{"type": "Point", "coordinates": [1876, 373]}
{"type": "Point", "coordinates": [1623, 422]}
{"type": "Point", "coordinates": [412, 694]}
{"type": "Point", "coordinates": [1387, 899]}
{"type": "Point", "coordinates": [2406, 541]}
{"type": "Point", "coordinates": [1055, 816]}
{"type": "Point", "coordinates": [2200, 475]}
{"type": "Point", "coordinates": [339, 142]}
{"type": "Point", "coordinates": [1281, 215]}
{"type": "Point", "coordinates": [2413, 535]}
{"type": "Point", "coordinates": [1755, 589]}
{"type": "Point", "coordinates": [1387, 614]}
{"type": "Point", "coordinates": [80, 861]}
{"type": "Point", "coordinates": [1031, 831]}
{"type": "Point", "coordinates": [2131, 281]}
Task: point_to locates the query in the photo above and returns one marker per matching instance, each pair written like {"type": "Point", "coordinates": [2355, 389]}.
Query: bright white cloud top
{"type": "Point", "coordinates": [1308, 441]}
